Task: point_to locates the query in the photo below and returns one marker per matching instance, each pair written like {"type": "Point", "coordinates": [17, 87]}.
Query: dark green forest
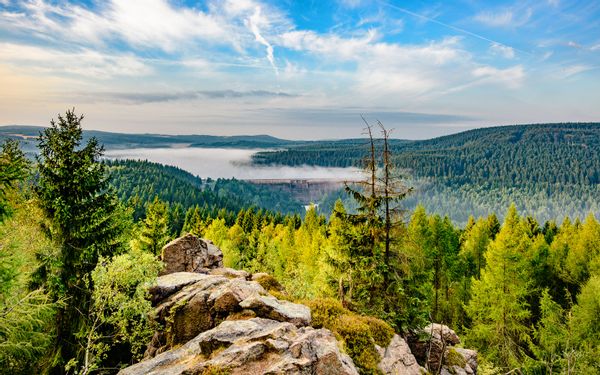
{"type": "Point", "coordinates": [549, 171]}
{"type": "Point", "coordinates": [138, 182]}
{"type": "Point", "coordinates": [79, 239]}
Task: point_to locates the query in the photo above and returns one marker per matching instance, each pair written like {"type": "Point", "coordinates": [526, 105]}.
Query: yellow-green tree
{"type": "Point", "coordinates": [499, 307]}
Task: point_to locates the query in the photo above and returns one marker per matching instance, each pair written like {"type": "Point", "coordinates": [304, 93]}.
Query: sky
{"type": "Point", "coordinates": [299, 69]}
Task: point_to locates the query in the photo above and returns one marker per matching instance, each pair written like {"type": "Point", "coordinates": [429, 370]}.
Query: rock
{"type": "Point", "coordinates": [283, 311]}
{"type": "Point", "coordinates": [255, 346]}
{"type": "Point", "coordinates": [190, 254]}
{"type": "Point", "coordinates": [172, 283]}
{"type": "Point", "coordinates": [440, 331]}
{"type": "Point", "coordinates": [230, 273]}
{"type": "Point", "coordinates": [435, 345]}
{"type": "Point", "coordinates": [470, 357]}
{"type": "Point", "coordinates": [397, 359]}
{"type": "Point", "coordinates": [229, 297]}
{"type": "Point", "coordinates": [197, 306]}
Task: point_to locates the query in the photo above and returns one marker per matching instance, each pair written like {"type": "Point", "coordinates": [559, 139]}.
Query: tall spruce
{"type": "Point", "coordinates": [83, 220]}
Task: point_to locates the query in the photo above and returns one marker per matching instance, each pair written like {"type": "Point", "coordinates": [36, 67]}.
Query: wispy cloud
{"type": "Point", "coordinates": [510, 77]}
{"type": "Point", "coordinates": [501, 50]}
{"type": "Point", "coordinates": [158, 97]}
{"type": "Point", "coordinates": [254, 23]}
{"type": "Point", "coordinates": [85, 62]}
{"type": "Point", "coordinates": [504, 18]}
{"type": "Point", "coordinates": [573, 70]}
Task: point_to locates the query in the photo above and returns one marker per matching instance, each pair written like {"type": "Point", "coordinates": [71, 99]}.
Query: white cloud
{"type": "Point", "coordinates": [510, 77]}
{"type": "Point", "coordinates": [87, 63]}
{"type": "Point", "coordinates": [595, 47]}
{"type": "Point", "coordinates": [386, 68]}
{"type": "Point", "coordinates": [505, 18]}
{"type": "Point", "coordinates": [502, 50]}
{"type": "Point", "coordinates": [144, 24]}
{"type": "Point", "coordinates": [554, 3]}
{"type": "Point", "coordinates": [572, 70]}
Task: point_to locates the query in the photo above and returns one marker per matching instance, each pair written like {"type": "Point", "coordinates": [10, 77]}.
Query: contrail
{"type": "Point", "coordinates": [443, 24]}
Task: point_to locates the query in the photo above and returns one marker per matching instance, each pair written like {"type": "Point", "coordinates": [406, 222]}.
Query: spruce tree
{"type": "Point", "coordinates": [83, 219]}
{"type": "Point", "coordinates": [155, 227]}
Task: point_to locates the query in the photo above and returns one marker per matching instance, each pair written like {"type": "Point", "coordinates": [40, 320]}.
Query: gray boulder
{"type": "Point", "coordinates": [273, 308]}
{"type": "Point", "coordinates": [190, 254]}
{"type": "Point", "coordinates": [397, 359]}
{"type": "Point", "coordinates": [442, 332]}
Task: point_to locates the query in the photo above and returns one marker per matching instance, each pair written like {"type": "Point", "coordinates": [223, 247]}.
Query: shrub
{"type": "Point", "coordinates": [381, 332]}
{"type": "Point", "coordinates": [325, 312]}
{"type": "Point", "coordinates": [269, 283]}
{"type": "Point", "coordinates": [358, 333]}
{"type": "Point", "coordinates": [358, 342]}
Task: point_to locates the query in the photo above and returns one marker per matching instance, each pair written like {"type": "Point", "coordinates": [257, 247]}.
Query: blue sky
{"type": "Point", "coordinates": [299, 69]}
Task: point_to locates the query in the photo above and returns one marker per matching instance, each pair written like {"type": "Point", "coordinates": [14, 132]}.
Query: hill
{"type": "Point", "coordinates": [544, 153]}
{"type": "Point", "coordinates": [549, 170]}
{"type": "Point", "coordinates": [27, 135]}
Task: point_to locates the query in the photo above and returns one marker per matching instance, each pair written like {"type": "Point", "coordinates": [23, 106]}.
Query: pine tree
{"type": "Point", "coordinates": [499, 306]}
{"type": "Point", "coordinates": [84, 220]}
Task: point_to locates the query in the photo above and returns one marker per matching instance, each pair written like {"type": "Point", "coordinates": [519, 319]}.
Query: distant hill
{"type": "Point", "coordinates": [548, 170]}
{"type": "Point", "coordinates": [27, 135]}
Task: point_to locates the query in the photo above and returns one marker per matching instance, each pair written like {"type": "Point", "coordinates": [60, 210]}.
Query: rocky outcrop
{"type": "Point", "coordinates": [190, 254]}
{"type": "Point", "coordinates": [254, 346]}
{"type": "Point", "coordinates": [220, 320]}
{"type": "Point", "coordinates": [397, 359]}
{"type": "Point", "coordinates": [434, 347]}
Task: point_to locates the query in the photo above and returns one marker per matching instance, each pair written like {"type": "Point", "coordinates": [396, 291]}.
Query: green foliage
{"type": "Point", "coordinates": [358, 343]}
{"type": "Point", "coordinates": [359, 334]}
{"type": "Point", "coordinates": [24, 326]}
{"type": "Point", "coordinates": [325, 311]}
{"type": "Point", "coordinates": [454, 358]}
{"type": "Point", "coordinates": [553, 336]}
{"type": "Point", "coordinates": [473, 172]}
{"type": "Point", "coordinates": [26, 316]}
{"type": "Point", "coordinates": [13, 168]}
{"type": "Point", "coordinates": [154, 231]}
{"type": "Point", "coordinates": [499, 307]}
{"type": "Point", "coordinates": [120, 310]}
{"type": "Point", "coordinates": [585, 323]}
{"type": "Point", "coordinates": [138, 182]}
{"type": "Point", "coordinates": [83, 219]}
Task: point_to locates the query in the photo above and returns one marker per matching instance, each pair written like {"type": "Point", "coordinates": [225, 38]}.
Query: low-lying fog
{"type": "Point", "coordinates": [227, 163]}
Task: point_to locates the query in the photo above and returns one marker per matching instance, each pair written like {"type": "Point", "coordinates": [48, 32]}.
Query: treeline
{"type": "Point", "coordinates": [549, 171]}
{"type": "Point", "coordinates": [522, 155]}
